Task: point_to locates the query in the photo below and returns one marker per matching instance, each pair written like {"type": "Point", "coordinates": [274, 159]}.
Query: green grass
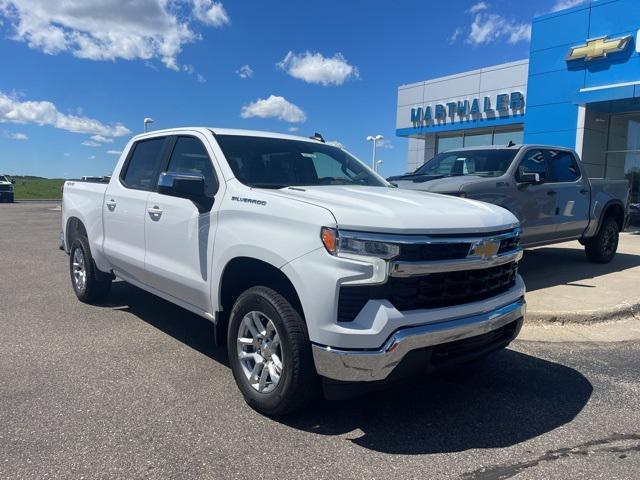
{"type": "Point", "coordinates": [36, 188]}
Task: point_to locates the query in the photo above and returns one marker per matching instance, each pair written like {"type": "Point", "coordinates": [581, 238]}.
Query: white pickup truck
{"type": "Point", "coordinates": [310, 265]}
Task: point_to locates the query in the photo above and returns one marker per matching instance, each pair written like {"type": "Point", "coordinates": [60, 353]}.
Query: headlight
{"type": "Point", "coordinates": [343, 243]}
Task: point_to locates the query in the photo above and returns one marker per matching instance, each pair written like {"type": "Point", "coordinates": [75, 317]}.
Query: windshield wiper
{"type": "Point", "coordinates": [268, 185]}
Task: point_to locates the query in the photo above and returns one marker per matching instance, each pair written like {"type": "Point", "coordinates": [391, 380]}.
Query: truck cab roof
{"type": "Point", "coordinates": [516, 146]}
{"type": "Point", "coordinates": [224, 131]}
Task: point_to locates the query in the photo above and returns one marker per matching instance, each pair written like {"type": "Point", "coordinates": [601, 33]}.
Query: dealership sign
{"type": "Point", "coordinates": [469, 108]}
{"type": "Point", "coordinates": [598, 48]}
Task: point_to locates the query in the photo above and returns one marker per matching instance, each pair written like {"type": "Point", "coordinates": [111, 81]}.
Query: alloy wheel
{"type": "Point", "coordinates": [260, 351]}
{"type": "Point", "coordinates": [79, 270]}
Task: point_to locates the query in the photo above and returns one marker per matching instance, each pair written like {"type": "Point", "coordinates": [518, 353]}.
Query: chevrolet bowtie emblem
{"type": "Point", "coordinates": [598, 48]}
{"type": "Point", "coordinates": [484, 248]}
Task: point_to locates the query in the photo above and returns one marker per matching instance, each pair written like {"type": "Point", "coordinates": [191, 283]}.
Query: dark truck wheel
{"type": "Point", "coordinates": [270, 354]}
{"type": "Point", "coordinates": [89, 283]}
{"type": "Point", "coordinates": [602, 248]}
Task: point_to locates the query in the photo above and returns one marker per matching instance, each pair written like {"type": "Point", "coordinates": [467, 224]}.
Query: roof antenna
{"type": "Point", "coordinates": [511, 144]}
{"type": "Point", "coordinates": [318, 136]}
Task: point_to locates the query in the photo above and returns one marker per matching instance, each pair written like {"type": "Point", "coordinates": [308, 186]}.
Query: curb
{"type": "Point", "coordinates": [623, 311]}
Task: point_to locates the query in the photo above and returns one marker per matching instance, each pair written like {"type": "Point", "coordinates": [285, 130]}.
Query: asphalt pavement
{"type": "Point", "coordinates": [133, 388]}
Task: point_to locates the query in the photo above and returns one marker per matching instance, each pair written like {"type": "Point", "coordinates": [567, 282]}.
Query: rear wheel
{"type": "Point", "coordinates": [270, 354]}
{"type": "Point", "coordinates": [602, 248]}
{"type": "Point", "coordinates": [89, 283]}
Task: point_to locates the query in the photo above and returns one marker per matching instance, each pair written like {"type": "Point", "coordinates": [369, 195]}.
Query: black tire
{"type": "Point", "coordinates": [602, 248]}
{"type": "Point", "coordinates": [96, 284]}
{"type": "Point", "coordinates": [299, 383]}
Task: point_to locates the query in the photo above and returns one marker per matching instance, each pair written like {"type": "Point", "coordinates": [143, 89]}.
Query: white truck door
{"type": "Point", "coordinates": [125, 205]}
{"type": "Point", "coordinates": [179, 238]}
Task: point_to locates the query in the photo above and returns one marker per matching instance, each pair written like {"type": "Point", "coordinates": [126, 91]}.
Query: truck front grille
{"type": "Point", "coordinates": [434, 290]}
{"type": "Point", "coordinates": [418, 252]}
{"type": "Point", "coordinates": [450, 250]}
{"type": "Point", "coordinates": [5, 188]}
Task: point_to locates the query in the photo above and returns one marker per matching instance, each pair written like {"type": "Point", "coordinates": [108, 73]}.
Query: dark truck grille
{"type": "Point", "coordinates": [421, 252]}
{"type": "Point", "coordinates": [5, 188]}
{"type": "Point", "coordinates": [434, 290]}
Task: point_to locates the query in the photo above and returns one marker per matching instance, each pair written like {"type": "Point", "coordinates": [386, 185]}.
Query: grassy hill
{"type": "Point", "coordinates": [33, 188]}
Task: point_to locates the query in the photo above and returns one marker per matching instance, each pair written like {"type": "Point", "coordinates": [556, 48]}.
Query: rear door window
{"type": "Point", "coordinates": [562, 166]}
{"type": "Point", "coordinates": [142, 169]}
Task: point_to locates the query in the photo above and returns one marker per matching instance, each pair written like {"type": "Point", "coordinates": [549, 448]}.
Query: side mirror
{"type": "Point", "coordinates": [13, 181]}
{"type": "Point", "coordinates": [529, 177]}
{"type": "Point", "coordinates": [186, 186]}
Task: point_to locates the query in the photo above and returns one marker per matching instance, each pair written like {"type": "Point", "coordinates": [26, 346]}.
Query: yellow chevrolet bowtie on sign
{"type": "Point", "coordinates": [598, 48]}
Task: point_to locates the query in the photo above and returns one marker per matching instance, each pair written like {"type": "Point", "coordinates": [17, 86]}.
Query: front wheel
{"type": "Point", "coordinates": [270, 354]}
{"type": "Point", "coordinates": [602, 248]}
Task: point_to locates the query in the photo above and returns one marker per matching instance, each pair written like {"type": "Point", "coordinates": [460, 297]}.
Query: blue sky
{"type": "Point", "coordinates": [81, 75]}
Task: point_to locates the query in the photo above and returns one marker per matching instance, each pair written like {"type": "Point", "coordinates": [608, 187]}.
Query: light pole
{"type": "Point", "coordinates": [378, 163]}
{"type": "Point", "coordinates": [147, 122]}
{"type": "Point", "coordinates": [374, 139]}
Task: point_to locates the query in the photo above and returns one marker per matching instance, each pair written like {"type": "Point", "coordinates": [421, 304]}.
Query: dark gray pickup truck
{"type": "Point", "coordinates": [546, 187]}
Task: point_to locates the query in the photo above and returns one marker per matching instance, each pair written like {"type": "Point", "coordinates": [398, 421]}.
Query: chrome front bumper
{"type": "Point", "coordinates": [373, 365]}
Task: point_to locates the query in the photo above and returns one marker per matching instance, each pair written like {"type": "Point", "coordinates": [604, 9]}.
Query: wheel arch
{"type": "Point", "coordinates": [242, 273]}
{"type": "Point", "coordinates": [74, 228]}
{"type": "Point", "coordinates": [615, 209]}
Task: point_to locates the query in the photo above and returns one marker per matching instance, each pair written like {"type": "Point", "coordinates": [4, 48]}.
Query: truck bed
{"type": "Point", "coordinates": [86, 197]}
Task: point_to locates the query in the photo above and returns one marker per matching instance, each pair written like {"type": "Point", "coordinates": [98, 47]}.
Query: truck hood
{"type": "Point", "coordinates": [393, 210]}
{"type": "Point", "coordinates": [430, 184]}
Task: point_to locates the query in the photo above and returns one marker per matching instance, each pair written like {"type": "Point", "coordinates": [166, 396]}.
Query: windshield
{"type": "Point", "coordinates": [483, 163]}
{"type": "Point", "coordinates": [277, 163]}
{"type": "Point", "coordinates": [3, 178]}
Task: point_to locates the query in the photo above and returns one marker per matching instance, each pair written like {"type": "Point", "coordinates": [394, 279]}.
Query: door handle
{"type": "Point", "coordinates": [584, 190]}
{"type": "Point", "coordinates": [155, 212]}
{"type": "Point", "coordinates": [111, 204]}
{"type": "Point", "coordinates": [551, 192]}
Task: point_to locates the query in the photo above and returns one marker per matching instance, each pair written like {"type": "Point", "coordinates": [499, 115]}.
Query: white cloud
{"type": "Point", "coordinates": [490, 27]}
{"type": "Point", "coordinates": [455, 35]}
{"type": "Point", "coordinates": [245, 71]}
{"type": "Point", "coordinates": [108, 30]}
{"type": "Point", "coordinates": [18, 136]}
{"type": "Point", "coordinates": [66, 154]}
{"type": "Point", "coordinates": [293, 129]}
{"type": "Point", "coordinates": [190, 70]}
{"type": "Point", "coordinates": [91, 157]}
{"type": "Point", "coordinates": [385, 144]}
{"type": "Point", "coordinates": [562, 4]}
{"type": "Point", "coordinates": [91, 143]}
{"type": "Point", "coordinates": [478, 7]}
{"type": "Point", "coordinates": [46, 113]}
{"type": "Point", "coordinates": [314, 68]}
{"type": "Point", "coordinates": [274, 107]}
{"type": "Point", "coordinates": [101, 139]}
{"type": "Point", "coordinates": [114, 152]}
{"type": "Point", "coordinates": [210, 13]}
